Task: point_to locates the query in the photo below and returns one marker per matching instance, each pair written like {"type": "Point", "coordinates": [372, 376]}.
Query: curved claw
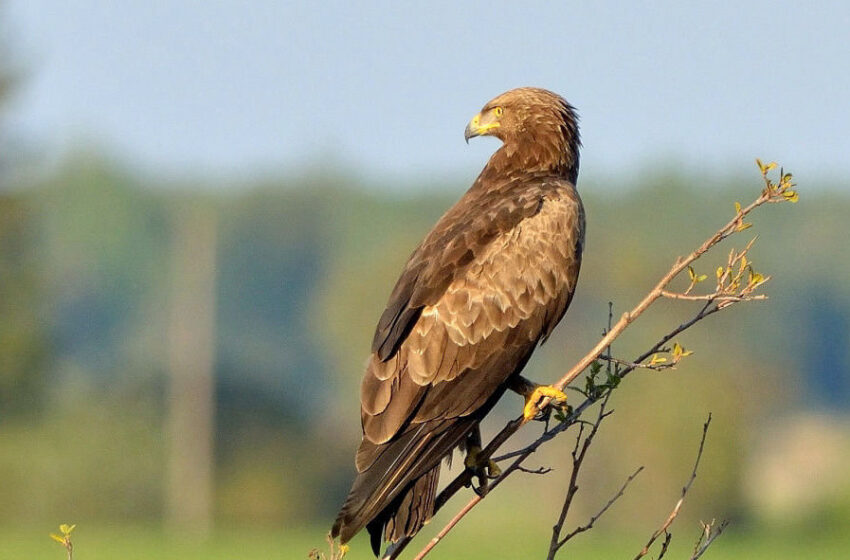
{"type": "Point", "coordinates": [556, 396]}
{"type": "Point", "coordinates": [483, 470]}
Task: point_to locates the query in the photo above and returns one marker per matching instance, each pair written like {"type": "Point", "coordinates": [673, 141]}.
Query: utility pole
{"type": "Point", "coordinates": [191, 363]}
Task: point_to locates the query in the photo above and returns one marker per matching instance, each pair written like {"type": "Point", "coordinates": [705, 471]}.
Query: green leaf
{"type": "Point", "coordinates": [680, 352]}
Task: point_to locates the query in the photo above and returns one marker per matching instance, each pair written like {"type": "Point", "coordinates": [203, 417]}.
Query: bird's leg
{"type": "Point", "coordinates": [534, 393]}
{"type": "Point", "coordinates": [483, 470]}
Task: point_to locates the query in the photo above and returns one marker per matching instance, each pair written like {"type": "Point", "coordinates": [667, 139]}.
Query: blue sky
{"type": "Point", "coordinates": [215, 87]}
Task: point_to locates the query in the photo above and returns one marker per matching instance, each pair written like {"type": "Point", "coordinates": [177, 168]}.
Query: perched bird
{"type": "Point", "coordinates": [487, 284]}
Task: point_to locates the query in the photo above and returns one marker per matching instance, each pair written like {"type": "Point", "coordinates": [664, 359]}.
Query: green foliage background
{"type": "Point", "coordinates": [305, 264]}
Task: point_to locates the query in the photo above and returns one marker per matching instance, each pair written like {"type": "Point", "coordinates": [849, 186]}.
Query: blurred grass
{"type": "Point", "coordinates": [497, 538]}
{"type": "Point", "coordinates": [305, 268]}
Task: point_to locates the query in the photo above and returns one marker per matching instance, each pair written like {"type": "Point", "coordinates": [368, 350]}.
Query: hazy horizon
{"type": "Point", "coordinates": [224, 88]}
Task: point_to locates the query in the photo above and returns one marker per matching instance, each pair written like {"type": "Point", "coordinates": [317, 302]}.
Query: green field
{"type": "Point", "coordinates": [503, 541]}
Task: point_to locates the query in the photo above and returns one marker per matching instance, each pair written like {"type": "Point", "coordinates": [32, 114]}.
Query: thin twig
{"type": "Point", "coordinates": [707, 537]}
{"type": "Point", "coordinates": [667, 538]}
{"type": "Point", "coordinates": [589, 525]}
{"type": "Point", "coordinates": [445, 530]}
{"type": "Point", "coordinates": [578, 458]}
{"type": "Point", "coordinates": [711, 297]}
{"type": "Point", "coordinates": [675, 512]}
{"type": "Point", "coordinates": [539, 470]}
{"type": "Point", "coordinates": [635, 365]}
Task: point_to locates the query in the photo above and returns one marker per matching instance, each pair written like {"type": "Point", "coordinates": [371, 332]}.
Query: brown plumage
{"type": "Point", "coordinates": [487, 284]}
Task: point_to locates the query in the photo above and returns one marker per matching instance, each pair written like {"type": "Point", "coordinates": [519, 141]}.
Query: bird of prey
{"type": "Point", "coordinates": [487, 284]}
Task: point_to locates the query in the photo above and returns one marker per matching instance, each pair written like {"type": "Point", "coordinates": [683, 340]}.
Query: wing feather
{"type": "Point", "coordinates": [465, 343]}
{"type": "Point", "coordinates": [473, 301]}
{"type": "Point", "coordinates": [443, 256]}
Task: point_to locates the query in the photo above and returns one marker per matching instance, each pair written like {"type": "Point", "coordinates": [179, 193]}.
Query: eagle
{"type": "Point", "coordinates": [485, 286]}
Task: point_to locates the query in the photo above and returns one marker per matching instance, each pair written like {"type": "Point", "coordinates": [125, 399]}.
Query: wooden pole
{"type": "Point", "coordinates": [191, 363]}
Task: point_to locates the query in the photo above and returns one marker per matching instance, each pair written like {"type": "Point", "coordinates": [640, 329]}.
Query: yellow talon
{"type": "Point", "coordinates": [472, 463]}
{"type": "Point", "coordinates": [540, 392]}
{"type": "Point", "coordinates": [482, 470]}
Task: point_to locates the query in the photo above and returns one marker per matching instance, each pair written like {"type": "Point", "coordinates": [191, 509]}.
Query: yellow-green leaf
{"type": "Point", "coordinates": [737, 207]}
{"type": "Point", "coordinates": [719, 272]}
{"type": "Point", "coordinates": [742, 226]}
{"type": "Point", "coordinates": [57, 538]}
{"type": "Point", "coordinates": [66, 529]}
{"type": "Point", "coordinates": [692, 274]}
{"type": "Point", "coordinates": [791, 196]}
{"type": "Point", "coordinates": [656, 359]}
{"type": "Point", "coordinates": [701, 277]}
{"type": "Point", "coordinates": [679, 352]}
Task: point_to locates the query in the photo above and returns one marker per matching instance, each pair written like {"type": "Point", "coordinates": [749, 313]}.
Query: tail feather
{"type": "Point", "coordinates": [394, 496]}
{"type": "Point", "coordinates": [415, 508]}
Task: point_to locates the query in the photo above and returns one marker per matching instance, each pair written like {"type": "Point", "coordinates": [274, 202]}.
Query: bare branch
{"type": "Point", "coordinates": [711, 297]}
{"type": "Point", "coordinates": [675, 512]}
{"type": "Point", "coordinates": [538, 470]}
{"type": "Point", "coordinates": [707, 536]}
{"type": "Point", "coordinates": [667, 538]}
{"type": "Point", "coordinates": [589, 525]}
{"type": "Point", "coordinates": [445, 530]}
{"type": "Point", "coordinates": [579, 453]}
{"type": "Point", "coordinates": [636, 365]}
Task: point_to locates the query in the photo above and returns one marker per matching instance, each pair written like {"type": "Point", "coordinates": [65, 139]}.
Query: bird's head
{"type": "Point", "coordinates": [534, 124]}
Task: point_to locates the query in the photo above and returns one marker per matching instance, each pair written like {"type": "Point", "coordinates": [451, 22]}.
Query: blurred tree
{"type": "Point", "coordinates": [9, 79]}
{"type": "Point", "coordinates": [22, 341]}
{"type": "Point", "coordinates": [826, 357]}
{"type": "Point", "coordinates": [22, 336]}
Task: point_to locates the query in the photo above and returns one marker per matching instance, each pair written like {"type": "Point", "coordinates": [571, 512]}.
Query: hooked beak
{"type": "Point", "coordinates": [477, 127]}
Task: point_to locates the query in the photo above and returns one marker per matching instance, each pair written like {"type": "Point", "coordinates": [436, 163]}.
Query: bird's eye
{"type": "Point", "coordinates": [498, 111]}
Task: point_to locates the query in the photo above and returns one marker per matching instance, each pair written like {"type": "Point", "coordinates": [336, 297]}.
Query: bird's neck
{"type": "Point", "coordinates": [553, 158]}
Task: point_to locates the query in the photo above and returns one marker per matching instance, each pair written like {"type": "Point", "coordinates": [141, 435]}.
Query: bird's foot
{"type": "Point", "coordinates": [533, 397]}
{"type": "Point", "coordinates": [484, 470]}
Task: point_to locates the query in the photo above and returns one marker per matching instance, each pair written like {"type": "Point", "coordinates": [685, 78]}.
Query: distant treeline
{"type": "Point", "coordinates": [303, 268]}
